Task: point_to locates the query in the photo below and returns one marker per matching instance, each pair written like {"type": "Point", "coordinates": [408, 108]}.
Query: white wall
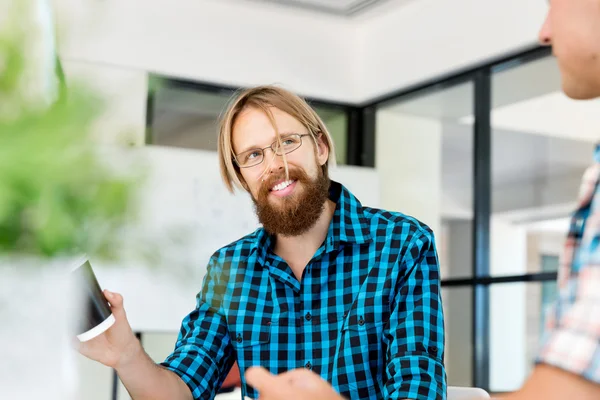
{"type": "Point", "coordinates": [409, 165]}
{"type": "Point", "coordinates": [223, 42]}
{"type": "Point", "coordinates": [428, 38]}
{"type": "Point", "coordinates": [123, 92]}
{"type": "Point", "coordinates": [94, 380]}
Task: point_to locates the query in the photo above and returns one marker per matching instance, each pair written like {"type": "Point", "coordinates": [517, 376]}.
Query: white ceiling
{"type": "Point", "coordinates": [336, 7]}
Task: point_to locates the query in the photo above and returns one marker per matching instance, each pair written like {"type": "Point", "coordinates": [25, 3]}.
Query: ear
{"type": "Point", "coordinates": [322, 149]}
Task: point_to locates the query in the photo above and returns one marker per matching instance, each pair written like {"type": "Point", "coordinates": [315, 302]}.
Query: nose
{"type": "Point", "coordinates": [545, 34]}
{"type": "Point", "coordinates": [273, 163]}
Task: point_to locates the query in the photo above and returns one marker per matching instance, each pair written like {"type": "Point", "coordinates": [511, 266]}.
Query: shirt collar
{"type": "Point", "coordinates": [349, 224]}
{"type": "Point", "coordinates": [349, 218]}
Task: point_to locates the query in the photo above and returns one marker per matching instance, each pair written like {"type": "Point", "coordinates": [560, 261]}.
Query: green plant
{"type": "Point", "coordinates": [57, 196]}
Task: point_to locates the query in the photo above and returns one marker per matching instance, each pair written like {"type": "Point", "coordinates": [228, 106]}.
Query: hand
{"type": "Point", "coordinates": [299, 384]}
{"type": "Point", "coordinates": [118, 344]}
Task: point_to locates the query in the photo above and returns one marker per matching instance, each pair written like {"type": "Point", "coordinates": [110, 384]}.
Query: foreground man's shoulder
{"type": "Point", "coordinates": [400, 223]}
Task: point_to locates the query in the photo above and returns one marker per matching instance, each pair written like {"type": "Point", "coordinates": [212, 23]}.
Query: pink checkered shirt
{"type": "Point", "coordinates": [572, 334]}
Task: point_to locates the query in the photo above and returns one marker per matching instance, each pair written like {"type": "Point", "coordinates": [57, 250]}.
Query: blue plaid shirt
{"type": "Point", "coordinates": [366, 314]}
{"type": "Point", "coordinates": [571, 339]}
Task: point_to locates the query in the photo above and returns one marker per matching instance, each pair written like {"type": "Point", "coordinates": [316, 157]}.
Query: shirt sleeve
{"type": "Point", "coordinates": [414, 362]}
{"type": "Point", "coordinates": [571, 339]}
{"type": "Point", "coordinates": [203, 353]}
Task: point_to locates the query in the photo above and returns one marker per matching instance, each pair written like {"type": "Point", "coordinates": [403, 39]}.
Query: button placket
{"type": "Point", "coordinates": [306, 305]}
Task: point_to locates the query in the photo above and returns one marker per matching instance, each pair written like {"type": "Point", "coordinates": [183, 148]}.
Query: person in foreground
{"type": "Point", "coordinates": [568, 364]}
{"type": "Point", "coordinates": [348, 292]}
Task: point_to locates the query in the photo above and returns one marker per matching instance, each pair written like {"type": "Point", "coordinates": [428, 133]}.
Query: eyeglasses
{"type": "Point", "coordinates": [254, 157]}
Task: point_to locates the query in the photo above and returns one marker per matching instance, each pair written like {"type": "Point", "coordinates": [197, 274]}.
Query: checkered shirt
{"type": "Point", "coordinates": [572, 335]}
{"type": "Point", "coordinates": [366, 315]}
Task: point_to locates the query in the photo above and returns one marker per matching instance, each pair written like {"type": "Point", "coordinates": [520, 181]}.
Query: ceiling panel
{"type": "Point", "coordinates": [338, 7]}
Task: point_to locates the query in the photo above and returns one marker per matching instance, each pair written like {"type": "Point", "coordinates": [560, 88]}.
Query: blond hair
{"type": "Point", "coordinates": [263, 98]}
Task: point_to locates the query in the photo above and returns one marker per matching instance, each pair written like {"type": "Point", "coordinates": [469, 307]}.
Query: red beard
{"type": "Point", "coordinates": [296, 213]}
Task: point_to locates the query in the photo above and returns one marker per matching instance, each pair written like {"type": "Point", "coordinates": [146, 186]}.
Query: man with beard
{"type": "Point", "coordinates": [346, 291]}
{"type": "Point", "coordinates": [568, 363]}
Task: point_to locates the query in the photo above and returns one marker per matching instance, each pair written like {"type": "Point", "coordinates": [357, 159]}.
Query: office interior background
{"type": "Point", "coordinates": [451, 104]}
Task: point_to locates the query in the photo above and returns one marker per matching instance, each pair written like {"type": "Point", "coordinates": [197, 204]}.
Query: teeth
{"type": "Point", "coordinates": [282, 185]}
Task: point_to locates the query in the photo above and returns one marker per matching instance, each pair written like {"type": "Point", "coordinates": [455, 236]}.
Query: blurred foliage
{"type": "Point", "coordinates": [57, 196]}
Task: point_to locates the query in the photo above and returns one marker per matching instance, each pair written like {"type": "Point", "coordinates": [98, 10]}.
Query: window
{"type": "Point", "coordinates": [424, 154]}
{"type": "Point", "coordinates": [185, 114]}
{"type": "Point", "coordinates": [491, 159]}
{"type": "Point", "coordinates": [542, 142]}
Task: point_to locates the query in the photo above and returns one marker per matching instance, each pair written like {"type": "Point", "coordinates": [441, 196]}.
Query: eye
{"type": "Point", "coordinates": [251, 155]}
{"type": "Point", "coordinates": [290, 141]}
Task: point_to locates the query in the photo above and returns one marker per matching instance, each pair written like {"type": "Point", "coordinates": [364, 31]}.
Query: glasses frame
{"type": "Point", "coordinates": [272, 147]}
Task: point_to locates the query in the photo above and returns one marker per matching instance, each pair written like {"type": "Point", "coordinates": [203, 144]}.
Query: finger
{"type": "Point", "coordinates": [259, 377]}
{"type": "Point", "coordinates": [116, 303]}
{"type": "Point", "coordinates": [302, 378]}
{"type": "Point", "coordinates": [115, 299]}
{"type": "Point", "coordinates": [268, 385]}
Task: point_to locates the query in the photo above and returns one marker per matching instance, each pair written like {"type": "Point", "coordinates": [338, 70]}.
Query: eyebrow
{"type": "Point", "coordinates": [282, 134]}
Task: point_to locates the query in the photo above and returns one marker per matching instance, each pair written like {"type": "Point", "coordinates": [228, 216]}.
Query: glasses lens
{"type": "Point", "coordinates": [250, 158]}
{"type": "Point", "coordinates": [288, 144]}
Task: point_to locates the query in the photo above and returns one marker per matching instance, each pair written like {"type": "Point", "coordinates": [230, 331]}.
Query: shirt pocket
{"type": "Point", "coordinates": [362, 355]}
{"type": "Point", "coordinates": [363, 330]}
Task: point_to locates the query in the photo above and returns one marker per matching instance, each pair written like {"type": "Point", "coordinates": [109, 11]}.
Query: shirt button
{"type": "Point", "coordinates": [308, 316]}
{"type": "Point", "coordinates": [238, 338]}
{"type": "Point", "coordinates": [308, 365]}
{"type": "Point", "coordinates": [433, 349]}
{"type": "Point", "coordinates": [361, 321]}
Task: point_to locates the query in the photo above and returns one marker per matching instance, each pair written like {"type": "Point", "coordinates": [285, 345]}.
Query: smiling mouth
{"type": "Point", "coordinates": [282, 185]}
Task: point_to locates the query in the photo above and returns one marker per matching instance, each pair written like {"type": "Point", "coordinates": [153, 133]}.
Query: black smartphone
{"type": "Point", "coordinates": [96, 316]}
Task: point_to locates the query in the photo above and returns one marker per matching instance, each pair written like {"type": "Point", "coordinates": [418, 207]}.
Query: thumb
{"type": "Point", "coordinates": [115, 300]}
{"type": "Point", "coordinates": [268, 385]}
